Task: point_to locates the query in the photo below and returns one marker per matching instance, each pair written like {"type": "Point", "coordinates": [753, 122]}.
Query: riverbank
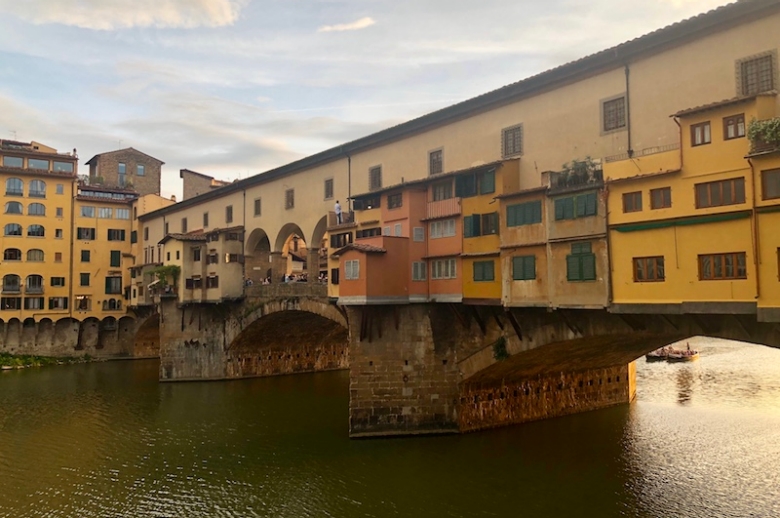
{"type": "Point", "coordinates": [23, 361]}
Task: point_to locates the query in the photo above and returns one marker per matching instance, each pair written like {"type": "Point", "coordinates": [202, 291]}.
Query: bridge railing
{"type": "Point", "coordinates": [287, 289]}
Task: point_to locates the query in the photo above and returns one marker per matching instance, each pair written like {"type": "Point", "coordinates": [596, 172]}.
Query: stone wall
{"type": "Point", "coordinates": [194, 184]}
{"type": "Point", "coordinates": [107, 167]}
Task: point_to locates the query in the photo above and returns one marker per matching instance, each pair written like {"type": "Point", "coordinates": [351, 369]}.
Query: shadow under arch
{"type": "Point", "coordinates": [289, 229]}
{"type": "Point", "coordinates": [146, 342]}
{"type": "Point", "coordinates": [257, 253]}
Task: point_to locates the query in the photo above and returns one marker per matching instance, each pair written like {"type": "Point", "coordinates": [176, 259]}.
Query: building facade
{"type": "Point", "coordinates": [126, 169]}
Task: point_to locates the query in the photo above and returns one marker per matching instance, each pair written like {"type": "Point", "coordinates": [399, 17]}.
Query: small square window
{"type": "Point", "coordinates": [632, 201]}
{"type": "Point", "coordinates": [85, 256]}
{"type": "Point", "coordinates": [512, 141]}
{"type": "Point", "coordinates": [58, 233]}
{"type": "Point", "coordinates": [329, 188]}
{"type": "Point", "coordinates": [289, 199]}
{"type": "Point", "coordinates": [84, 279]}
{"type": "Point", "coordinates": [140, 170]}
{"type": "Point", "coordinates": [435, 162]}
{"type": "Point", "coordinates": [375, 178]}
{"type": "Point", "coordinates": [661, 198]}
{"type": "Point", "coordinates": [394, 201]}
{"type": "Point", "coordinates": [121, 168]}
{"type": "Point", "coordinates": [60, 189]}
{"type": "Point", "coordinates": [734, 127]}
{"type": "Point", "coordinates": [701, 134]}
{"type": "Point", "coordinates": [757, 74]}
{"type": "Point", "coordinates": [613, 114]}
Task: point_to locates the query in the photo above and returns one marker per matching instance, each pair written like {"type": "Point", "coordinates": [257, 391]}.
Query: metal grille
{"type": "Point", "coordinates": [436, 164]}
{"type": "Point", "coordinates": [289, 199]}
{"type": "Point", "coordinates": [757, 75]}
{"type": "Point", "coordinates": [615, 114]}
{"type": "Point", "coordinates": [374, 178]}
{"type": "Point", "coordinates": [513, 141]}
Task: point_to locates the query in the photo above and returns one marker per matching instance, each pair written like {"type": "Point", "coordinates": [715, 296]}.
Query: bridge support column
{"type": "Point", "coordinates": [403, 380]}
{"type": "Point", "coordinates": [313, 264]}
{"type": "Point", "coordinates": [278, 267]}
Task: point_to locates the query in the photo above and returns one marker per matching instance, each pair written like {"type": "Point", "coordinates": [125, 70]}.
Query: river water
{"type": "Point", "coordinates": [107, 440]}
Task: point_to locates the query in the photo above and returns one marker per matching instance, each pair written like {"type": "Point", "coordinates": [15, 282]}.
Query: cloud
{"type": "Point", "coordinates": [354, 26]}
{"type": "Point", "coordinates": [122, 14]}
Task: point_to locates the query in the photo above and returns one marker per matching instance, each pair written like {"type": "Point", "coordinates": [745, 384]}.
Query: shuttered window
{"type": "Point", "coordinates": [524, 214]}
{"type": "Point", "coordinates": [116, 258]}
{"type": "Point", "coordinates": [487, 182]}
{"type": "Point", "coordinates": [471, 225]}
{"type": "Point", "coordinates": [418, 271]}
{"type": "Point", "coordinates": [352, 270]}
{"type": "Point", "coordinates": [581, 263]}
{"type": "Point", "coordinates": [524, 268]}
{"type": "Point", "coordinates": [484, 271]}
{"type": "Point", "coordinates": [573, 207]}
{"type": "Point", "coordinates": [418, 234]}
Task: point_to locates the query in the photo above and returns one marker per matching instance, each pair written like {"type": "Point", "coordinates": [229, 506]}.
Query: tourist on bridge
{"type": "Point", "coordinates": [337, 210]}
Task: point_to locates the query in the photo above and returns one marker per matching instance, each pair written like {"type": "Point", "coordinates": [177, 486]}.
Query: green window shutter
{"type": "Point", "coordinates": [581, 208]}
{"type": "Point", "coordinates": [116, 258]}
{"type": "Point", "coordinates": [573, 270]}
{"type": "Point", "coordinates": [511, 216]}
{"type": "Point", "coordinates": [490, 271]}
{"type": "Point", "coordinates": [487, 182]}
{"type": "Point", "coordinates": [108, 285]}
{"type": "Point", "coordinates": [134, 236]}
{"type": "Point", "coordinates": [529, 267]}
{"type": "Point", "coordinates": [467, 226]}
{"type": "Point", "coordinates": [591, 208]}
{"type": "Point", "coordinates": [517, 268]}
{"type": "Point", "coordinates": [475, 224]}
{"type": "Point", "coordinates": [568, 208]}
{"type": "Point", "coordinates": [560, 209]}
{"type": "Point", "coordinates": [537, 212]}
{"type": "Point", "coordinates": [478, 273]}
{"type": "Point", "coordinates": [588, 263]}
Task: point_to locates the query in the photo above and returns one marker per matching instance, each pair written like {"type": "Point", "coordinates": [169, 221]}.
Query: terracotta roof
{"type": "Point", "coordinates": [721, 104]}
{"type": "Point", "coordinates": [193, 236]}
{"type": "Point", "coordinates": [360, 247]}
{"type": "Point", "coordinates": [642, 176]}
{"type": "Point", "coordinates": [515, 194]}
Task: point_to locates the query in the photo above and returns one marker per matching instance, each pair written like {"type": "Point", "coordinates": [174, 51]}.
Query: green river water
{"type": "Point", "coordinates": [108, 440]}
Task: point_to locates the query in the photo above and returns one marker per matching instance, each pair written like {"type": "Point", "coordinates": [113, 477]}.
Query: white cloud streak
{"type": "Point", "coordinates": [354, 26]}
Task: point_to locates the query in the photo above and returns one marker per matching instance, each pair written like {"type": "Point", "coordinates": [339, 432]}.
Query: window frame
{"type": "Point", "coordinates": [328, 187]}
{"type": "Point", "coordinates": [706, 133]}
{"type": "Point", "coordinates": [642, 264]}
{"type": "Point", "coordinates": [662, 191]}
{"type": "Point", "coordinates": [289, 199]}
{"type": "Point", "coordinates": [620, 114]}
{"type": "Point", "coordinates": [519, 262]}
{"type": "Point", "coordinates": [735, 199]}
{"type": "Point", "coordinates": [526, 213]}
{"type": "Point", "coordinates": [580, 252]}
{"type": "Point", "coordinates": [736, 120]}
{"type": "Point", "coordinates": [395, 200]}
{"type": "Point", "coordinates": [735, 257]}
{"type": "Point", "coordinates": [481, 272]}
{"type": "Point", "coordinates": [745, 77]}
{"type": "Point", "coordinates": [374, 178]}
{"type": "Point", "coordinates": [513, 135]}
{"type": "Point", "coordinates": [766, 176]}
{"type": "Point", "coordinates": [632, 202]}
{"type": "Point", "coordinates": [435, 161]}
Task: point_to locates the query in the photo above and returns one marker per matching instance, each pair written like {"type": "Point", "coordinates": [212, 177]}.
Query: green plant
{"type": "Point", "coordinates": [499, 349]}
{"type": "Point", "coordinates": [579, 172]}
{"type": "Point", "coordinates": [171, 271]}
{"type": "Point", "coordinates": [764, 131]}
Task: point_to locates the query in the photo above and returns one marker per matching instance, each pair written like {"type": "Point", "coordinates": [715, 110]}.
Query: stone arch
{"type": "Point", "coordinates": [66, 335]}
{"type": "Point", "coordinates": [284, 234]}
{"type": "Point", "coordinates": [107, 334]}
{"type": "Point", "coordinates": [45, 336]}
{"type": "Point", "coordinates": [319, 233]}
{"type": "Point", "coordinates": [146, 341]}
{"type": "Point", "coordinates": [13, 334]}
{"type": "Point", "coordinates": [89, 332]}
{"type": "Point", "coordinates": [257, 252]}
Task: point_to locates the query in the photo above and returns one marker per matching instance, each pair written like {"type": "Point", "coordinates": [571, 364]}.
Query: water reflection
{"type": "Point", "coordinates": [684, 385]}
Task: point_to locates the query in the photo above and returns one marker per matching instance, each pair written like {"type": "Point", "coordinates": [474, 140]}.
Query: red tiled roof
{"type": "Point", "coordinates": [360, 247]}
{"type": "Point", "coordinates": [721, 104]}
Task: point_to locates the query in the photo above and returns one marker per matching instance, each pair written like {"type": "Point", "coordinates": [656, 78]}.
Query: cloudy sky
{"type": "Point", "coordinates": [233, 88]}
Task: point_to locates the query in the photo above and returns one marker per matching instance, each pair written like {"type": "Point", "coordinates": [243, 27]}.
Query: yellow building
{"type": "Point", "coordinates": [37, 216]}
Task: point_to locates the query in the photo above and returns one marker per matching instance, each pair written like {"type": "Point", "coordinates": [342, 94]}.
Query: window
{"type": "Point", "coordinates": [442, 190]}
{"type": "Point", "coordinates": [122, 213]}
{"type": "Point", "coordinates": [166, 228]}
{"type": "Point", "coordinates": [167, 256]}
{"type": "Point", "coordinates": [140, 170]}
{"type": "Point", "coordinates": [484, 271]}
{"type": "Point", "coordinates": [289, 199]}
{"type": "Point", "coordinates": [487, 181]}
{"type": "Point", "coordinates": [385, 231]}
{"type": "Point", "coordinates": [33, 303]}
{"type": "Point", "coordinates": [37, 189]}
{"type": "Point", "coordinates": [13, 161]}
{"type": "Point", "coordinates": [195, 283]}
{"type": "Point", "coordinates": [116, 234]}
{"type": "Point", "coordinates": [63, 167]}
{"type": "Point", "coordinates": [573, 207]}
{"type": "Point", "coordinates": [512, 141]}
{"type": "Point", "coordinates": [37, 163]}
{"type": "Point", "coordinates": [722, 266]}
{"type": "Point", "coordinates": [340, 240]}
{"type": "Point", "coordinates": [524, 268]}
{"type": "Point", "coordinates": [14, 187]}
{"type": "Point", "coordinates": [58, 233]}
{"type": "Point", "coordinates": [649, 269]}
{"type": "Point", "coordinates": [632, 201]}
{"type": "Point", "coordinates": [258, 206]}
{"type": "Point", "coordinates": [368, 232]}
{"type": "Point", "coordinates": [87, 211]}
{"type": "Point", "coordinates": [36, 209]}
{"type": "Point", "coordinates": [329, 188]}
{"type": "Point", "coordinates": [57, 282]}
{"type": "Point", "coordinates": [14, 207]}
{"type": "Point", "coordinates": [33, 284]}
{"type": "Point", "coordinates": [372, 202]}
{"type": "Point", "coordinates": [35, 255]}
{"type": "Point", "coordinates": [205, 219]}
{"type": "Point", "coordinates": [212, 281]}
{"type": "Point", "coordinates": [395, 201]}
{"type": "Point", "coordinates": [57, 257]}
{"type": "Point", "coordinates": [443, 269]}
{"type": "Point", "coordinates": [238, 236]}
{"type": "Point", "coordinates": [375, 178]}
{"type": "Point", "coordinates": [12, 254]}
{"type": "Point", "coordinates": [113, 285]}
{"type": "Point", "coordinates": [757, 75]}
{"type": "Point", "coordinates": [352, 270]}
{"type": "Point", "coordinates": [12, 283]}
{"type": "Point", "coordinates": [134, 236]}
{"type": "Point", "coordinates": [490, 224]}
{"type": "Point", "coordinates": [661, 198]}
{"type": "Point", "coordinates": [83, 302]}
{"type": "Point", "coordinates": [36, 231]}
{"type": "Point", "coordinates": [524, 214]}
{"type": "Point", "coordinates": [121, 168]}
{"type": "Point", "coordinates": [770, 184]}
{"type": "Point", "coordinates": [116, 259]}
{"type": "Point", "coordinates": [581, 263]}
{"type": "Point", "coordinates": [212, 258]}
{"type": "Point", "coordinates": [419, 271]}
{"type": "Point", "coordinates": [613, 113]}
{"type": "Point", "coordinates": [105, 212]}
{"type": "Point", "coordinates": [397, 230]}
{"type": "Point", "coordinates": [146, 233]}
{"type": "Point", "coordinates": [472, 225]}
{"type": "Point", "coordinates": [229, 214]}
{"type": "Point", "coordinates": [13, 229]}
{"type": "Point", "coordinates": [11, 303]}
{"type": "Point", "coordinates": [444, 228]}
{"type": "Point", "coordinates": [334, 276]}
{"type": "Point", "coordinates": [418, 234]}
{"type": "Point", "coordinates": [234, 258]}
{"type": "Point", "coordinates": [717, 194]}
{"type": "Point", "coordinates": [183, 226]}
{"type": "Point", "coordinates": [59, 189]}
{"type": "Point", "coordinates": [734, 126]}
{"type": "Point", "coordinates": [85, 256]}
{"type": "Point", "coordinates": [85, 234]}
{"type": "Point", "coordinates": [701, 134]}
{"type": "Point", "coordinates": [83, 279]}
{"type": "Point", "coordinates": [435, 162]}
{"type": "Point", "coordinates": [58, 303]}
{"type": "Point", "coordinates": [196, 254]}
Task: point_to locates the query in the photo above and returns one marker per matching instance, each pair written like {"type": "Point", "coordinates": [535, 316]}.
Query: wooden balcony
{"type": "Point", "coordinates": [443, 208]}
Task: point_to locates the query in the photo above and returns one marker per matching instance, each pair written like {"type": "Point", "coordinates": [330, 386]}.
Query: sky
{"type": "Point", "coordinates": [233, 88]}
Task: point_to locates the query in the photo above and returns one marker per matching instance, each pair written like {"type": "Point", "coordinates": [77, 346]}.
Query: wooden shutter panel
{"type": "Point", "coordinates": [559, 209]}
{"type": "Point", "coordinates": [537, 218]}
{"type": "Point", "coordinates": [573, 268]}
{"type": "Point", "coordinates": [511, 216]}
{"type": "Point", "coordinates": [590, 204]}
{"type": "Point", "coordinates": [588, 263]}
{"type": "Point", "coordinates": [529, 267]}
{"type": "Point", "coordinates": [581, 205]}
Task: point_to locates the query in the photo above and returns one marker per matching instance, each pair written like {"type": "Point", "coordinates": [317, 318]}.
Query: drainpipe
{"type": "Point", "coordinates": [72, 237]}
{"type": "Point", "coordinates": [679, 127]}
{"type": "Point", "coordinates": [628, 114]}
{"type": "Point", "coordinates": [349, 179]}
{"type": "Point", "coordinates": [610, 296]}
{"type": "Point", "coordinates": [754, 224]}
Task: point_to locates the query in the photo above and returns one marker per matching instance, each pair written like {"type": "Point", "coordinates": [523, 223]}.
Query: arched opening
{"type": "Point", "coordinates": [147, 338]}
{"type": "Point", "coordinates": [292, 246]}
{"type": "Point", "coordinates": [89, 332]}
{"type": "Point", "coordinates": [288, 342]}
{"type": "Point", "coordinates": [319, 242]}
{"type": "Point", "coordinates": [258, 256]}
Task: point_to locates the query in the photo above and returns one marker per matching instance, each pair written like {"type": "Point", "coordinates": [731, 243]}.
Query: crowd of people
{"type": "Point", "coordinates": [286, 278]}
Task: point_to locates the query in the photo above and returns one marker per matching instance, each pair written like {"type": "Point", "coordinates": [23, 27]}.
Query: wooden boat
{"type": "Point", "coordinates": [657, 355]}
{"type": "Point", "coordinates": [683, 356]}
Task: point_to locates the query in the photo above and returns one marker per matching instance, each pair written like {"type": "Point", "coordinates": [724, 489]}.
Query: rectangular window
{"type": "Point", "coordinates": [444, 228]}
{"type": "Point", "coordinates": [373, 202]}
{"type": "Point", "coordinates": [524, 268]}
{"type": "Point", "coordinates": [33, 303]}
{"type": "Point", "coordinates": [14, 161]}
{"type": "Point", "coordinates": [385, 231]}
{"type": "Point", "coordinates": [166, 230]}
{"type": "Point", "coordinates": [105, 213]}
{"type": "Point", "coordinates": [83, 279]}
{"type": "Point", "coordinates": [471, 225]}
{"type": "Point", "coordinates": [649, 269]}
{"type": "Point", "coordinates": [395, 201]}
{"type": "Point", "coordinates": [487, 182]}
{"type": "Point", "coordinates": [234, 258]}
{"type": "Point", "coordinates": [59, 189]}
{"type": "Point", "coordinates": [289, 199]}
{"type": "Point", "coordinates": [258, 207]}
{"type": "Point", "coordinates": [581, 263]}
{"type": "Point", "coordinates": [717, 194]}
{"type": "Point", "coordinates": [527, 213]}
{"type": "Point", "coordinates": [196, 254]}
{"type": "Point", "coordinates": [757, 75]}
{"type": "Point", "coordinates": [140, 170]}
{"type": "Point", "coordinates": [116, 234]}
{"type": "Point", "coordinates": [484, 271]}
{"type": "Point", "coordinates": [701, 134]}
{"type": "Point", "coordinates": [368, 232]}
{"type": "Point", "coordinates": [121, 168]}
{"type": "Point", "coordinates": [212, 281]}
{"type": "Point", "coordinates": [122, 213]}
{"type": "Point", "coordinates": [58, 212]}
{"type": "Point", "coordinates": [229, 214]}
{"type": "Point", "coordinates": [466, 186]}
{"type": "Point", "coordinates": [10, 303]}
{"type": "Point", "coordinates": [134, 236]}
{"type": "Point", "coordinates": [87, 211]}
{"type": "Point", "coordinates": [632, 201]}
{"type": "Point", "coordinates": [167, 256]}
{"type": "Point", "coordinates": [113, 285]}
{"type": "Point", "coordinates": [85, 256]}
{"type": "Point", "coordinates": [116, 259]}
{"type": "Point", "coordinates": [58, 303]}
{"type": "Point", "coordinates": [722, 266]}
{"type": "Point", "coordinates": [443, 269]}
{"type": "Point", "coordinates": [442, 190]}
{"type": "Point", "coordinates": [146, 233]}
{"type": "Point", "coordinates": [419, 270]}
{"type": "Point", "coordinates": [183, 225]}
{"type": "Point", "coordinates": [435, 162]}
{"type": "Point", "coordinates": [329, 188]}
{"type": "Point", "coordinates": [770, 184]}
{"type": "Point", "coordinates": [57, 282]}
{"type": "Point", "coordinates": [397, 230]}
{"type": "Point", "coordinates": [205, 220]}
{"type": "Point", "coordinates": [661, 198]}
{"type": "Point", "coordinates": [490, 224]}
{"type": "Point", "coordinates": [418, 234]}
{"type": "Point", "coordinates": [734, 126]}
{"type": "Point", "coordinates": [340, 240]}
{"type": "Point", "coordinates": [614, 114]}
{"type": "Point", "coordinates": [512, 141]}
{"type": "Point", "coordinates": [580, 206]}
{"type": "Point", "coordinates": [36, 163]}
{"type": "Point", "coordinates": [334, 276]}
{"type": "Point", "coordinates": [375, 178]}
{"type": "Point", "coordinates": [351, 270]}
{"type": "Point", "coordinates": [212, 258]}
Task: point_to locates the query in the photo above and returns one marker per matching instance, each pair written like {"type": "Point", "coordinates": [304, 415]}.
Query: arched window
{"type": "Point", "coordinates": [33, 284]}
{"type": "Point", "coordinates": [13, 207]}
{"type": "Point", "coordinates": [37, 189]}
{"type": "Point", "coordinates": [14, 187]}
{"type": "Point", "coordinates": [12, 254]}
{"type": "Point", "coordinates": [13, 229]}
{"type": "Point", "coordinates": [36, 231]}
{"type": "Point", "coordinates": [35, 255]}
{"type": "Point", "coordinates": [36, 209]}
{"type": "Point", "coordinates": [11, 283]}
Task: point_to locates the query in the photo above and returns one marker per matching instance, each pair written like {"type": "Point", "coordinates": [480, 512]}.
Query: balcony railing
{"type": "Point", "coordinates": [33, 290]}
{"type": "Point", "coordinates": [443, 208]}
{"type": "Point", "coordinates": [12, 288]}
{"type": "Point", "coordinates": [347, 218]}
{"type": "Point", "coordinates": [569, 180]}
